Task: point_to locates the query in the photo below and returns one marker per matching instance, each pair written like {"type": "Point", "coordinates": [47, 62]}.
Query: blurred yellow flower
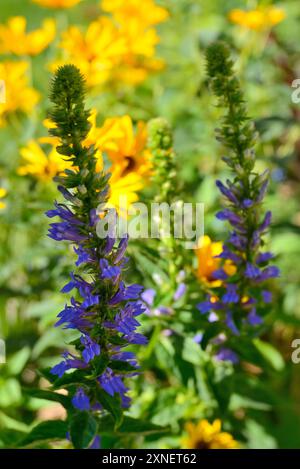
{"type": "Point", "coordinates": [125, 148]}
{"type": "Point", "coordinates": [104, 136]}
{"type": "Point", "coordinates": [135, 70]}
{"type": "Point", "coordinates": [3, 193]}
{"type": "Point", "coordinates": [96, 51]}
{"type": "Point", "coordinates": [258, 19]}
{"type": "Point", "coordinates": [127, 153]}
{"type": "Point", "coordinates": [135, 24]}
{"type": "Point", "coordinates": [131, 10]}
{"type": "Point", "coordinates": [208, 262]}
{"type": "Point", "coordinates": [19, 96]}
{"type": "Point", "coordinates": [15, 40]}
{"type": "Point", "coordinates": [40, 165]}
{"type": "Point", "coordinates": [57, 3]}
{"type": "Point", "coordinates": [123, 190]}
{"type": "Point", "coordinates": [205, 435]}
{"type": "Point", "coordinates": [124, 184]}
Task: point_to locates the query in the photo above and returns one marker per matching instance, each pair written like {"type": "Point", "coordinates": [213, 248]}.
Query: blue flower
{"type": "Point", "coordinates": [80, 400]}
{"type": "Point", "coordinates": [181, 289]}
{"type": "Point", "coordinates": [91, 348]}
{"type": "Point", "coordinates": [60, 369]}
{"type": "Point", "coordinates": [112, 383]}
{"type": "Point", "coordinates": [226, 354]}
{"type": "Point", "coordinates": [96, 444]}
{"type": "Point", "coordinates": [205, 306]}
{"type": "Point", "coordinates": [198, 337]}
{"type": "Point", "coordinates": [83, 256]}
{"type": "Point", "coordinates": [229, 215]}
{"type": "Point", "coordinates": [231, 295]}
{"type": "Point", "coordinates": [269, 272]}
{"type": "Point", "coordinates": [241, 296]}
{"type": "Point", "coordinates": [264, 257]}
{"type": "Point", "coordinates": [253, 318]}
{"type": "Point", "coordinates": [219, 274]}
{"type": "Point", "coordinates": [247, 203]}
{"type": "Point", "coordinates": [65, 231]}
{"type": "Point", "coordinates": [107, 271]}
{"type": "Point", "coordinates": [266, 296]}
{"type": "Point", "coordinates": [148, 296]}
{"type": "Point", "coordinates": [252, 271]}
{"type": "Point", "coordinates": [212, 317]}
{"type": "Point", "coordinates": [231, 324]}
{"type": "Point", "coordinates": [103, 309]}
{"type": "Point", "coordinates": [226, 192]}
{"type": "Point", "coordinates": [121, 249]}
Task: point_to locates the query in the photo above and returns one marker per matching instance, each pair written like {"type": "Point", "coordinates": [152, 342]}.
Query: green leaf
{"type": "Point", "coordinates": [10, 392]}
{"type": "Point", "coordinates": [68, 379]}
{"type": "Point", "coordinates": [191, 352]}
{"type": "Point", "coordinates": [9, 438]}
{"type": "Point", "coordinates": [16, 363]}
{"type": "Point", "coordinates": [270, 354]}
{"type": "Point", "coordinates": [258, 437]}
{"type": "Point", "coordinates": [237, 402]}
{"type": "Point", "coordinates": [247, 351]}
{"type": "Point", "coordinates": [112, 404]}
{"type": "Point", "coordinates": [121, 366]}
{"type": "Point", "coordinates": [49, 430]}
{"type": "Point", "coordinates": [212, 330]}
{"type": "Point", "coordinates": [10, 423]}
{"type": "Point", "coordinates": [83, 429]}
{"type": "Point", "coordinates": [50, 396]}
{"type": "Point", "coordinates": [100, 364]}
{"type": "Point", "coordinates": [129, 426]}
{"type": "Point", "coordinates": [45, 372]}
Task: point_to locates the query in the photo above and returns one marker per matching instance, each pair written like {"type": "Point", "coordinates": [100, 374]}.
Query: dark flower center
{"type": "Point", "coordinates": [131, 164]}
{"type": "Point", "coordinates": [201, 445]}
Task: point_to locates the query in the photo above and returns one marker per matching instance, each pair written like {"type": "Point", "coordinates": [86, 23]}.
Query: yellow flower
{"type": "Point", "coordinates": [208, 262]}
{"type": "Point", "coordinates": [125, 148]}
{"type": "Point", "coordinates": [15, 40]}
{"type": "Point", "coordinates": [208, 436]}
{"type": "Point", "coordinates": [102, 137]}
{"type": "Point", "coordinates": [123, 190]}
{"type": "Point", "coordinates": [40, 165]}
{"type": "Point", "coordinates": [19, 96]}
{"type": "Point", "coordinates": [3, 193]}
{"type": "Point", "coordinates": [95, 52]}
{"type": "Point", "coordinates": [123, 185]}
{"type": "Point", "coordinates": [259, 19]}
{"type": "Point", "coordinates": [135, 71]}
{"type": "Point", "coordinates": [136, 24]}
{"type": "Point", "coordinates": [124, 10]}
{"type": "Point", "coordinates": [57, 3]}
{"type": "Point", "coordinates": [127, 153]}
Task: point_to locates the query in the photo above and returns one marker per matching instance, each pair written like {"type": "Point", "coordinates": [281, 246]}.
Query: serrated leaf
{"type": "Point", "coordinates": [83, 429]}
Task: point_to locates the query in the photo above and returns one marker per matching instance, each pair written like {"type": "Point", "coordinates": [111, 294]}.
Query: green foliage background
{"type": "Point", "coordinates": [259, 404]}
